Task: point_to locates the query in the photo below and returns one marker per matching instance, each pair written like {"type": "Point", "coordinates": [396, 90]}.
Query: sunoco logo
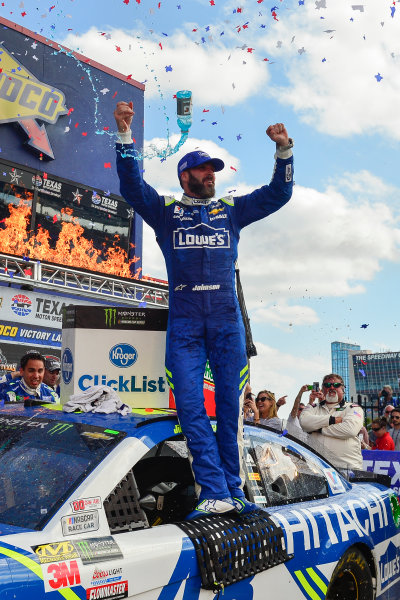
{"type": "Point", "coordinates": [123, 355]}
{"type": "Point", "coordinates": [67, 365]}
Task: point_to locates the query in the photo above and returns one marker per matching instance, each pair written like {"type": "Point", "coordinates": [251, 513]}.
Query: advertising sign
{"type": "Point", "coordinates": [56, 108]}
{"type": "Point", "coordinates": [123, 348]}
{"type": "Point", "coordinates": [385, 462]}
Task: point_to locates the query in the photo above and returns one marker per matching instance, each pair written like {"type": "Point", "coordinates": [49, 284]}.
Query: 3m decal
{"type": "Point", "coordinates": [23, 99]}
{"type": "Point", "coordinates": [32, 566]}
{"type": "Point", "coordinates": [86, 503]}
{"type": "Point", "coordinates": [112, 591]}
{"type": "Point", "coordinates": [61, 575]}
{"type": "Point", "coordinates": [55, 552]}
{"type": "Point", "coordinates": [80, 523]}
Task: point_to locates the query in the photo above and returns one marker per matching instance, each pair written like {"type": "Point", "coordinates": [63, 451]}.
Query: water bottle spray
{"type": "Point", "coordinates": [184, 110]}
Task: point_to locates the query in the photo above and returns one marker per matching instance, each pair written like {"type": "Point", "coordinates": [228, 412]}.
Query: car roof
{"type": "Point", "coordinates": [128, 424]}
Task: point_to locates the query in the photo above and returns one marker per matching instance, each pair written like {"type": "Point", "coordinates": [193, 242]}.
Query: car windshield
{"type": "Point", "coordinates": [42, 461]}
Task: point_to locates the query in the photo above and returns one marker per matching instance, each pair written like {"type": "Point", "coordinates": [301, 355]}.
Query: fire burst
{"type": "Point", "coordinates": [71, 249]}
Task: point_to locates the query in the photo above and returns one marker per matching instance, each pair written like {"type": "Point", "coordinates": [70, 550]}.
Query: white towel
{"type": "Point", "coordinates": [98, 398]}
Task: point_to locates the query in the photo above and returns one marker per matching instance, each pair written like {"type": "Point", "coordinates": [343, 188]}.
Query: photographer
{"type": "Point", "coordinates": [335, 423]}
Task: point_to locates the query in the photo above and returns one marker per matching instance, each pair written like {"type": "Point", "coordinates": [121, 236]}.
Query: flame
{"type": "Point", "coordinates": [71, 249]}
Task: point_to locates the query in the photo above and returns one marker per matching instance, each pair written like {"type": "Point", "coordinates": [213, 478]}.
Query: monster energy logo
{"type": "Point", "coordinates": [84, 551]}
{"type": "Point", "coordinates": [111, 316]}
{"type": "Point", "coordinates": [59, 428]}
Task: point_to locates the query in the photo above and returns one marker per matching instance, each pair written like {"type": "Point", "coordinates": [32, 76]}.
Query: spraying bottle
{"type": "Point", "coordinates": [184, 109]}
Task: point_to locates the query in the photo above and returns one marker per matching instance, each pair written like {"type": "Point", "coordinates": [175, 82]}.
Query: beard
{"type": "Point", "coordinates": [198, 189]}
{"type": "Point", "coordinates": [332, 398]}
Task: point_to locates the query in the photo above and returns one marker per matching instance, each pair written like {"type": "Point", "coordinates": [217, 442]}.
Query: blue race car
{"type": "Point", "coordinates": [92, 506]}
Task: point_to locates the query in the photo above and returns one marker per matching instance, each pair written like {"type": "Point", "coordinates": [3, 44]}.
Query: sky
{"type": "Point", "coordinates": [328, 262]}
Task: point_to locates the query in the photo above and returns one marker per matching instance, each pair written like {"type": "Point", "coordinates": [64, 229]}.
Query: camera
{"type": "Point", "coordinates": [315, 386]}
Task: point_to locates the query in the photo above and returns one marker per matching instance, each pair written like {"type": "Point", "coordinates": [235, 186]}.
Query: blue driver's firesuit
{"type": "Point", "coordinates": [199, 241]}
{"type": "Point", "coordinates": [18, 391]}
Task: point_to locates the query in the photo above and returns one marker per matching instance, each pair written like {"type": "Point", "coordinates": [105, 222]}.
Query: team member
{"type": "Point", "coordinates": [335, 423]}
{"type": "Point", "coordinates": [51, 375]}
{"type": "Point", "coordinates": [29, 386]}
{"type": "Point", "coordinates": [198, 237]}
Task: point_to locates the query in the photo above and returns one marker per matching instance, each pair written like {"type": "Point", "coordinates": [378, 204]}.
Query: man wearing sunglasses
{"type": "Point", "coordinates": [395, 430]}
{"type": "Point", "coordinates": [335, 423]}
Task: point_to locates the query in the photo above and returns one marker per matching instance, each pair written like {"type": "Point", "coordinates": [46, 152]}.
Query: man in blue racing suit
{"type": "Point", "coordinates": [30, 386]}
{"type": "Point", "coordinates": [198, 236]}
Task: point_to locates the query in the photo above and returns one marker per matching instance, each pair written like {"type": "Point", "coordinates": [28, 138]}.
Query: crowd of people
{"type": "Point", "coordinates": [335, 425]}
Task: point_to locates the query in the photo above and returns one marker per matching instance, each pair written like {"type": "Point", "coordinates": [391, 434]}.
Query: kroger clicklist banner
{"type": "Point", "coordinates": [123, 348]}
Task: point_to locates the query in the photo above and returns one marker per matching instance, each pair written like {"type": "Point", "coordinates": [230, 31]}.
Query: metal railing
{"type": "Point", "coordinates": [38, 274]}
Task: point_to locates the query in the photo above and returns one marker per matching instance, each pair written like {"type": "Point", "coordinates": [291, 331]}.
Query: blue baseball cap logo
{"type": "Point", "coordinates": [196, 158]}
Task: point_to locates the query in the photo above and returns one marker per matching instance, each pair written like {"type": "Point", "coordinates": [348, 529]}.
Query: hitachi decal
{"type": "Point", "coordinates": [201, 236]}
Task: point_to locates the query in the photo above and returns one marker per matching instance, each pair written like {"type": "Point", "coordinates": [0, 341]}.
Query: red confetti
{"type": "Point", "coordinates": [23, 14]}
{"type": "Point", "coordinates": [267, 59]}
{"type": "Point", "coordinates": [212, 2]}
{"type": "Point", "coordinates": [71, 110]}
{"type": "Point", "coordinates": [160, 44]}
{"type": "Point", "coordinates": [129, 76]}
{"type": "Point", "coordinates": [118, 49]}
{"type": "Point", "coordinates": [44, 175]}
{"type": "Point", "coordinates": [107, 165]}
{"type": "Point", "coordinates": [250, 50]}
{"type": "Point", "coordinates": [206, 110]}
{"type": "Point", "coordinates": [84, 133]}
{"type": "Point", "coordinates": [76, 125]}
{"type": "Point", "coordinates": [106, 128]}
{"type": "Point", "coordinates": [159, 5]}
{"type": "Point", "coordinates": [239, 10]}
{"type": "Point", "coordinates": [55, 219]}
{"type": "Point", "coordinates": [126, 1]}
{"type": "Point", "coordinates": [233, 169]}
{"type": "Point", "coordinates": [193, 30]}
{"type": "Point", "coordinates": [28, 271]}
{"type": "Point", "coordinates": [115, 94]}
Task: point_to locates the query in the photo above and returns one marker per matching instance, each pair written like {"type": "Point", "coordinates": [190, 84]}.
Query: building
{"type": "Point", "coordinates": [340, 361]}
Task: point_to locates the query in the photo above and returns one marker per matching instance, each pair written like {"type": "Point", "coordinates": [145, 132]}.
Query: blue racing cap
{"type": "Point", "coordinates": [196, 158]}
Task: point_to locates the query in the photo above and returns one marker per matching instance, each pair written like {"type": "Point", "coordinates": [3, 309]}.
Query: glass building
{"type": "Point", "coordinates": [373, 371]}
{"type": "Point", "coordinates": [340, 360]}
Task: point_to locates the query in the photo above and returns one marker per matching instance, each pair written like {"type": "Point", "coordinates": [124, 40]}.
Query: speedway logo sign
{"type": "Point", "coordinates": [23, 99]}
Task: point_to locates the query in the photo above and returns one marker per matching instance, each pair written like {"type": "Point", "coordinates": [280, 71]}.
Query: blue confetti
{"type": "Point", "coordinates": [378, 77]}
{"type": "Point", "coordinates": [168, 68]}
{"type": "Point", "coordinates": [364, 326]}
{"type": "Point", "coordinates": [362, 372]}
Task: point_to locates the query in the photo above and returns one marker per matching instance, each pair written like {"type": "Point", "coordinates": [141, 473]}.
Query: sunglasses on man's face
{"type": "Point", "coordinates": [328, 384]}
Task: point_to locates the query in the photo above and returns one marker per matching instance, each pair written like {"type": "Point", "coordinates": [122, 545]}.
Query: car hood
{"type": "Point", "coordinates": [10, 529]}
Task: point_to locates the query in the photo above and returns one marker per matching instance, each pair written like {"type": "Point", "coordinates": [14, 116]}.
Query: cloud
{"type": "Point", "coordinates": [163, 175]}
{"type": "Point", "coordinates": [332, 84]}
{"type": "Point", "coordinates": [219, 75]}
{"type": "Point", "coordinates": [319, 244]}
{"type": "Point", "coordinates": [285, 316]}
{"type": "Point", "coordinates": [284, 373]}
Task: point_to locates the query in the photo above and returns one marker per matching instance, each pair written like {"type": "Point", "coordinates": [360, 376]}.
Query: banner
{"type": "Point", "coordinates": [386, 462]}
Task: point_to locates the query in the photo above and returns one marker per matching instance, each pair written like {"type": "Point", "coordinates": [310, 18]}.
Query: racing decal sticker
{"type": "Point", "coordinates": [312, 582]}
{"type": "Point", "coordinates": [104, 576]}
{"type": "Point", "coordinates": [335, 483]}
{"type": "Point", "coordinates": [389, 566]}
{"type": "Point", "coordinates": [288, 173]}
{"type": "Point", "coordinates": [86, 504]}
{"type": "Point", "coordinates": [98, 549]}
{"type": "Point", "coordinates": [56, 551]}
{"type": "Point", "coordinates": [395, 506]}
{"type": "Point", "coordinates": [112, 591]}
{"type": "Point", "coordinates": [80, 523]}
{"type": "Point", "coordinates": [61, 575]}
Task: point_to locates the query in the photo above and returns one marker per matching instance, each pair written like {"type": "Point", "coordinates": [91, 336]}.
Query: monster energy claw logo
{"type": "Point", "coordinates": [59, 428]}
{"type": "Point", "coordinates": [84, 550]}
{"type": "Point", "coordinates": [110, 316]}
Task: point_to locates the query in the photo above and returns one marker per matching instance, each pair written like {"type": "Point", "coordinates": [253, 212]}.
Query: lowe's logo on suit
{"type": "Point", "coordinates": [123, 355]}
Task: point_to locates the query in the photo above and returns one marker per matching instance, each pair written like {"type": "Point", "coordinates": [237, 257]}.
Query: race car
{"type": "Point", "coordinates": [93, 506]}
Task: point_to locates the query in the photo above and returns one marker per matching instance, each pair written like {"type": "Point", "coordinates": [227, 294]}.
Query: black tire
{"type": "Point", "coordinates": [351, 579]}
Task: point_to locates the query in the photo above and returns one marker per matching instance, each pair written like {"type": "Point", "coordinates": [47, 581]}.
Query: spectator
{"type": "Point", "coordinates": [335, 423]}
{"type": "Point", "coordinates": [384, 440]}
{"type": "Point", "coordinates": [265, 410]}
{"type": "Point", "coordinates": [386, 396]}
{"type": "Point", "coordinates": [395, 430]}
{"type": "Point", "coordinates": [298, 406]}
{"type": "Point", "coordinates": [51, 375]}
{"type": "Point", "coordinates": [29, 386]}
{"type": "Point", "coordinates": [387, 413]}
